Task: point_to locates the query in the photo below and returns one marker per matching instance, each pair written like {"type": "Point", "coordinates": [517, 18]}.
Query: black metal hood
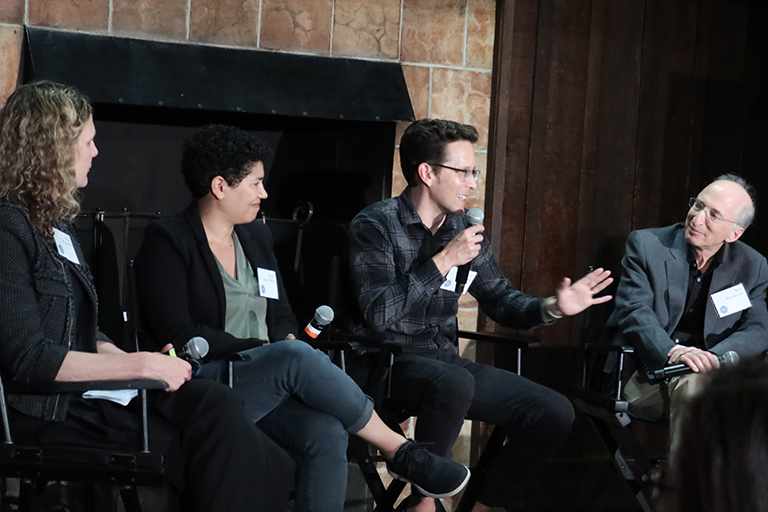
{"type": "Point", "coordinates": [192, 76]}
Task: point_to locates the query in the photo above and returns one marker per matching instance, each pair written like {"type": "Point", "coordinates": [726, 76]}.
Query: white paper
{"type": "Point", "coordinates": [64, 246]}
{"type": "Point", "coordinates": [119, 396]}
{"type": "Point", "coordinates": [267, 283]}
{"type": "Point", "coordinates": [731, 300]}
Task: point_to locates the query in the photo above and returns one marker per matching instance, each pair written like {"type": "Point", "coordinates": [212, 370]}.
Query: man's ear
{"type": "Point", "coordinates": [735, 235]}
{"type": "Point", "coordinates": [218, 187]}
{"type": "Point", "coordinates": [426, 174]}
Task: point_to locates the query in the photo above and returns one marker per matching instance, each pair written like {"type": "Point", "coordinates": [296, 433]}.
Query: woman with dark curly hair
{"type": "Point", "coordinates": [210, 271]}
{"type": "Point", "coordinates": [213, 454]}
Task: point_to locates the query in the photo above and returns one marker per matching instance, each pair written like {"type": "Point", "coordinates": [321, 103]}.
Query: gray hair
{"type": "Point", "coordinates": [747, 214]}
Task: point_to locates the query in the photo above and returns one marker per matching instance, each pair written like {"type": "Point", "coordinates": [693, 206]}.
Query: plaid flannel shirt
{"type": "Point", "coordinates": [398, 285]}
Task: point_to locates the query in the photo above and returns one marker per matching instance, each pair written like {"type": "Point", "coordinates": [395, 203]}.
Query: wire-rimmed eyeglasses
{"type": "Point", "coordinates": [715, 216]}
{"type": "Point", "coordinates": [474, 173]}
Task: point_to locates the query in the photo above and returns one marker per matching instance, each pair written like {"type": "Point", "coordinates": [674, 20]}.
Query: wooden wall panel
{"type": "Point", "coordinates": [665, 109]}
{"type": "Point", "coordinates": [614, 112]}
{"type": "Point", "coordinates": [606, 116]}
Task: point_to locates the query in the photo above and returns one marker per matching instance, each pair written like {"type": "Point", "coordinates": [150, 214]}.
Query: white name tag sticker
{"type": "Point", "coordinates": [65, 246]}
{"type": "Point", "coordinates": [450, 280]}
{"type": "Point", "coordinates": [731, 300]}
{"type": "Point", "coordinates": [267, 283]}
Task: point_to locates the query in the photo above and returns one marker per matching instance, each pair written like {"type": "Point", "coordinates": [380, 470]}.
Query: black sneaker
{"type": "Point", "coordinates": [432, 475]}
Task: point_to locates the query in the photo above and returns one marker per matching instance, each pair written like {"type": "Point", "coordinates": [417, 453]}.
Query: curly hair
{"type": "Point", "coordinates": [425, 140]}
{"type": "Point", "coordinates": [39, 126]}
{"type": "Point", "coordinates": [217, 150]}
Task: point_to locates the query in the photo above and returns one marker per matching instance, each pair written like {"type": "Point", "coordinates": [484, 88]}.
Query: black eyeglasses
{"type": "Point", "coordinates": [715, 216]}
{"type": "Point", "coordinates": [474, 173]}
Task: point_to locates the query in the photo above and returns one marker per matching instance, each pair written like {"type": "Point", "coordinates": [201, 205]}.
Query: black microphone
{"type": "Point", "coordinates": [475, 216]}
{"type": "Point", "coordinates": [194, 351]}
{"type": "Point", "coordinates": [323, 317]}
{"type": "Point", "coordinates": [730, 358]}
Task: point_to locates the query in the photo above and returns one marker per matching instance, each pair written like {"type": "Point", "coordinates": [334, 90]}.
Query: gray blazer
{"type": "Point", "coordinates": [652, 292]}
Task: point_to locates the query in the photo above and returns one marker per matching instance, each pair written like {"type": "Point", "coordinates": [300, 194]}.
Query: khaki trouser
{"type": "Point", "coordinates": [657, 402]}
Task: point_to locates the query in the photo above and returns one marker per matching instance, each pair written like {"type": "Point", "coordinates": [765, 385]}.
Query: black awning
{"type": "Point", "coordinates": [192, 76]}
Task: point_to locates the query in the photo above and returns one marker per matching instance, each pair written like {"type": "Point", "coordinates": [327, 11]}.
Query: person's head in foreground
{"type": "Point", "coordinates": [721, 463]}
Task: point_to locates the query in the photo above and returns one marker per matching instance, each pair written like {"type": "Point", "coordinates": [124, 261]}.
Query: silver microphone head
{"type": "Point", "coordinates": [324, 315]}
{"type": "Point", "coordinates": [475, 216]}
{"type": "Point", "coordinates": [730, 358]}
{"type": "Point", "coordinates": [197, 347]}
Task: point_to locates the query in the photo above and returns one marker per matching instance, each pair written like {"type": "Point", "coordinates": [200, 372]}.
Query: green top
{"type": "Point", "coordinates": [246, 309]}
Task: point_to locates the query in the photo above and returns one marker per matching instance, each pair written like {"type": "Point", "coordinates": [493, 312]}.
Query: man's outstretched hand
{"type": "Point", "coordinates": [573, 298]}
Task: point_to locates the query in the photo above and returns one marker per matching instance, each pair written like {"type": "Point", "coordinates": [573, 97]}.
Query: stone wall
{"type": "Point", "coordinates": [445, 47]}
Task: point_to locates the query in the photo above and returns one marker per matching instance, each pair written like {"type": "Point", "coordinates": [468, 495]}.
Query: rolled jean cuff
{"type": "Point", "coordinates": [364, 418]}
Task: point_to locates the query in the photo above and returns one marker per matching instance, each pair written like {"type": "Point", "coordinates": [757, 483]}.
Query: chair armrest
{"type": "Point", "coordinates": [235, 351]}
{"type": "Point", "coordinates": [326, 345]}
{"type": "Point", "coordinates": [230, 356]}
{"type": "Point", "coordinates": [499, 338]}
{"type": "Point", "coordinates": [604, 348]}
{"type": "Point", "coordinates": [74, 387]}
{"type": "Point", "coordinates": [374, 342]}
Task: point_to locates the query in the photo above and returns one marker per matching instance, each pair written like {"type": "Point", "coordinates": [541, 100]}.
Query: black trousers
{"type": "Point", "coordinates": [443, 389]}
{"type": "Point", "coordinates": [214, 456]}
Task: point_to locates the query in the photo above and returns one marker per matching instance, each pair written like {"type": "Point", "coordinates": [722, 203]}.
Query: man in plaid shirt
{"type": "Point", "coordinates": [403, 255]}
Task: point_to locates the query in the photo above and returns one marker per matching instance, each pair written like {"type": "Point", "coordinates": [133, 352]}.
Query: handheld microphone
{"type": "Point", "coordinates": [475, 216]}
{"type": "Point", "coordinates": [323, 317]}
{"type": "Point", "coordinates": [193, 351]}
{"type": "Point", "coordinates": [730, 358]}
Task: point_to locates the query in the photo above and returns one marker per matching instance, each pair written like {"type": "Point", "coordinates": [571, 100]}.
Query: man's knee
{"type": "Point", "coordinates": [549, 412]}
{"type": "Point", "coordinates": [683, 389]}
{"type": "Point", "coordinates": [561, 413]}
{"type": "Point", "coordinates": [455, 386]}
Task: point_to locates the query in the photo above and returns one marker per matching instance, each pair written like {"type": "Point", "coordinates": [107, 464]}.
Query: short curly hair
{"type": "Point", "coordinates": [218, 150]}
{"type": "Point", "coordinates": [425, 140]}
{"type": "Point", "coordinates": [39, 126]}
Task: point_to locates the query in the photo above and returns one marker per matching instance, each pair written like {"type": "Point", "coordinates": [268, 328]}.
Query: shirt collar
{"type": "Point", "coordinates": [716, 259]}
{"type": "Point", "coordinates": [408, 215]}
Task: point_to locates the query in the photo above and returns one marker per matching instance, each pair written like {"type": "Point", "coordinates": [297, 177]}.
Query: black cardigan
{"type": "Point", "coordinates": [180, 290]}
{"type": "Point", "coordinates": [37, 310]}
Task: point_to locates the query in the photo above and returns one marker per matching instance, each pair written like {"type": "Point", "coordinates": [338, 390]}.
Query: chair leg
{"type": "Point", "coordinates": [27, 490]}
{"type": "Point", "coordinates": [628, 456]}
{"type": "Point", "coordinates": [383, 497]}
{"type": "Point", "coordinates": [480, 471]}
{"type": "Point", "coordinates": [389, 498]}
{"type": "Point", "coordinates": [130, 497]}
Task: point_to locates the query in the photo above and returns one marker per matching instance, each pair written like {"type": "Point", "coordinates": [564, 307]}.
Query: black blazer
{"type": "Point", "coordinates": [180, 290]}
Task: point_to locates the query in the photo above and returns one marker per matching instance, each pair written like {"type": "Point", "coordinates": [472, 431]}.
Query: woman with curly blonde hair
{"type": "Point", "coordinates": [213, 455]}
{"type": "Point", "coordinates": [37, 163]}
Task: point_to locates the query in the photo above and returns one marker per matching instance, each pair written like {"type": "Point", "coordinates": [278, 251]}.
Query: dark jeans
{"type": "Point", "coordinates": [442, 389]}
{"type": "Point", "coordinates": [213, 454]}
{"type": "Point", "coordinates": [308, 405]}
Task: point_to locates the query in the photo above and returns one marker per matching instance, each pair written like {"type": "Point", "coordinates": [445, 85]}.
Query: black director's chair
{"type": "Point", "coordinates": [36, 465]}
{"type": "Point", "coordinates": [609, 414]}
{"type": "Point", "coordinates": [386, 497]}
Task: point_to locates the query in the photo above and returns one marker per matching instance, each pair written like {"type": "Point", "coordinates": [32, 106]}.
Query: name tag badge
{"type": "Point", "coordinates": [450, 280]}
{"type": "Point", "coordinates": [267, 283]}
{"type": "Point", "coordinates": [65, 246]}
{"type": "Point", "coordinates": [731, 300]}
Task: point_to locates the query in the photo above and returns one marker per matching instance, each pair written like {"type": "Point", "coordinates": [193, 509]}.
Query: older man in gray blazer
{"type": "Point", "coordinates": [667, 303]}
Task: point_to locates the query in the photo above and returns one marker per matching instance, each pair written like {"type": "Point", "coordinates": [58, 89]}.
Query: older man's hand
{"type": "Point", "coordinates": [697, 360]}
